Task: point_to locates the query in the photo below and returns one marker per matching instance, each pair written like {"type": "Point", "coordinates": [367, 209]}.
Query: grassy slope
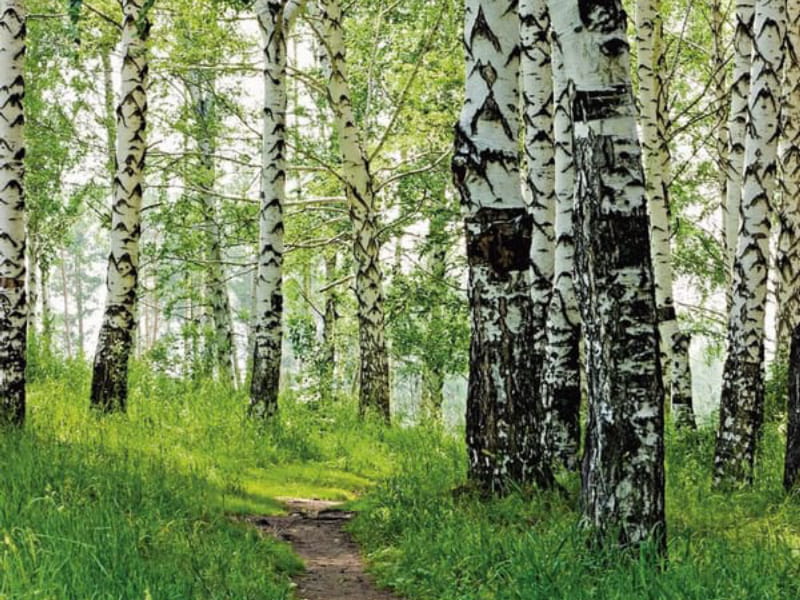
{"type": "Point", "coordinates": [137, 507]}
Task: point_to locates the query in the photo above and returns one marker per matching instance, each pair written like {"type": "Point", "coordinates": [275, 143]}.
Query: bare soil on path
{"type": "Point", "coordinates": [334, 567]}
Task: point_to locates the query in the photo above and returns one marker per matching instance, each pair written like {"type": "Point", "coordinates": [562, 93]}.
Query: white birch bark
{"type": "Point", "coordinates": [274, 19]}
{"type": "Point", "coordinates": [537, 113]}
{"type": "Point", "coordinates": [789, 242]}
{"type": "Point", "coordinates": [737, 123]}
{"type": "Point", "coordinates": [201, 86]}
{"type": "Point", "coordinates": [504, 411]}
{"type": "Point", "coordinates": [623, 479]}
{"type": "Point", "coordinates": [742, 405]}
{"type": "Point", "coordinates": [13, 304]}
{"type": "Point", "coordinates": [788, 259]}
{"type": "Point", "coordinates": [561, 392]}
{"type": "Point", "coordinates": [363, 208]}
{"type": "Point", "coordinates": [657, 168]}
{"type": "Point", "coordinates": [110, 375]}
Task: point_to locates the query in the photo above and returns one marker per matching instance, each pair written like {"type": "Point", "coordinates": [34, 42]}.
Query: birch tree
{"type": "Point", "coordinates": [274, 19]}
{"type": "Point", "coordinates": [13, 304]}
{"type": "Point", "coordinates": [623, 479]}
{"type": "Point", "coordinates": [789, 241]}
{"type": "Point", "coordinates": [788, 251]}
{"type": "Point", "coordinates": [742, 404]}
{"type": "Point", "coordinates": [561, 391]}
{"type": "Point", "coordinates": [363, 209]}
{"type": "Point", "coordinates": [201, 88]}
{"type": "Point", "coordinates": [657, 167]}
{"type": "Point", "coordinates": [110, 375]}
{"type": "Point", "coordinates": [504, 412]}
{"type": "Point", "coordinates": [737, 123]}
{"type": "Point", "coordinates": [537, 102]}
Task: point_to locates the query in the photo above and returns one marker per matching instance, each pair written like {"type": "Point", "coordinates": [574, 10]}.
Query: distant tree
{"type": "Point", "coordinates": [110, 376]}
{"type": "Point", "coordinates": [623, 471]}
{"type": "Point", "coordinates": [13, 303]}
{"type": "Point", "coordinates": [504, 411]}
{"type": "Point", "coordinates": [742, 404]}
{"type": "Point", "coordinates": [374, 392]}
{"type": "Point", "coordinates": [275, 19]}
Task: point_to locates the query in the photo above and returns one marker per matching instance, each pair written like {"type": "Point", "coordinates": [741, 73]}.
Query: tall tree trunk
{"type": "Point", "coordinates": [65, 297]}
{"type": "Point", "coordinates": [561, 393]}
{"type": "Point", "coordinates": [110, 375]}
{"type": "Point", "coordinates": [274, 19]}
{"type": "Point", "coordinates": [657, 168]}
{"type": "Point", "coordinates": [742, 405]}
{"type": "Point", "coordinates": [791, 473]}
{"type": "Point", "coordinates": [13, 304]}
{"type": "Point", "coordinates": [737, 124]}
{"type": "Point", "coordinates": [79, 301]}
{"type": "Point", "coordinates": [329, 328]}
{"type": "Point", "coordinates": [33, 286]}
{"type": "Point", "coordinates": [47, 307]}
{"type": "Point", "coordinates": [623, 479]}
{"type": "Point", "coordinates": [788, 259]}
{"type": "Point", "coordinates": [789, 242]}
{"type": "Point", "coordinates": [720, 78]}
{"type": "Point", "coordinates": [374, 390]}
{"type": "Point", "coordinates": [537, 111]}
{"type": "Point", "coordinates": [504, 410]}
{"type": "Point", "coordinates": [201, 90]}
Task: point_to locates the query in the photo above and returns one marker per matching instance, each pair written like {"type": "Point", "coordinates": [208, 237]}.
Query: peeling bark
{"type": "Point", "coordinates": [561, 391]}
{"type": "Point", "coordinates": [110, 376]}
{"type": "Point", "coordinates": [13, 303]}
{"type": "Point", "coordinates": [742, 404]}
{"type": "Point", "coordinates": [623, 471]}
{"type": "Point", "coordinates": [374, 391]}
{"type": "Point", "coordinates": [504, 412]}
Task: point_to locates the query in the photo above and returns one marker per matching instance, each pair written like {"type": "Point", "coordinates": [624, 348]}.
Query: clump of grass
{"type": "Point", "coordinates": [427, 542]}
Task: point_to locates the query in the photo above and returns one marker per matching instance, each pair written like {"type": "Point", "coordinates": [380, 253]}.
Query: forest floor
{"type": "Point", "coordinates": [334, 568]}
{"type": "Point", "coordinates": [153, 505]}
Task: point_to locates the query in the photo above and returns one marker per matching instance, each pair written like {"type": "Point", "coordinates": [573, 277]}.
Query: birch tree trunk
{"type": "Point", "coordinates": [789, 241]}
{"type": "Point", "coordinates": [110, 376]}
{"type": "Point", "coordinates": [374, 389]}
{"type": "Point", "coordinates": [201, 92]}
{"type": "Point", "coordinates": [657, 168]}
{"type": "Point", "coordinates": [788, 259]}
{"type": "Point", "coordinates": [537, 111]}
{"type": "Point", "coordinates": [561, 392]}
{"type": "Point", "coordinates": [623, 478]}
{"type": "Point", "coordinates": [504, 410]}
{"type": "Point", "coordinates": [742, 404]}
{"type": "Point", "coordinates": [737, 124]}
{"type": "Point", "coordinates": [791, 473]}
{"type": "Point", "coordinates": [13, 304]}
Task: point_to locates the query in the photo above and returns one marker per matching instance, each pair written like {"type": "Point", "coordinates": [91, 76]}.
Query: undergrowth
{"type": "Point", "coordinates": [140, 505]}
{"type": "Point", "coordinates": [428, 542]}
{"type": "Point", "coordinates": [144, 505]}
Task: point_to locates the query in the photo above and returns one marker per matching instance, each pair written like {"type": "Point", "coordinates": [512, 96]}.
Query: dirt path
{"type": "Point", "coordinates": [334, 569]}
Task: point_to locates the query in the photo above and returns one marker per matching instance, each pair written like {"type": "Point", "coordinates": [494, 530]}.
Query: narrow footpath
{"type": "Point", "coordinates": [334, 568]}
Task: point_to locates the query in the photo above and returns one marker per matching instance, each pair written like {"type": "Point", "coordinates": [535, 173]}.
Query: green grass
{"type": "Point", "coordinates": [140, 505]}
{"type": "Point", "coordinates": [145, 505]}
{"type": "Point", "coordinates": [427, 542]}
